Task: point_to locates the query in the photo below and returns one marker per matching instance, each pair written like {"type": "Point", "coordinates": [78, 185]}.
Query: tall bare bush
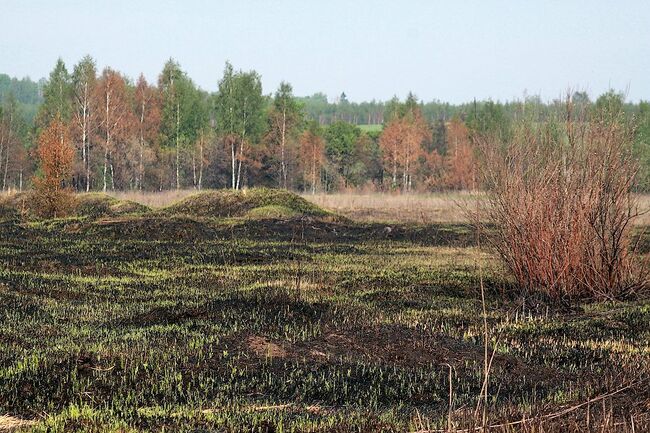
{"type": "Point", "coordinates": [560, 197]}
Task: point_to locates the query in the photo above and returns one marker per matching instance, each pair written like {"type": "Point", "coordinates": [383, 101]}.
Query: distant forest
{"type": "Point", "coordinates": [131, 134]}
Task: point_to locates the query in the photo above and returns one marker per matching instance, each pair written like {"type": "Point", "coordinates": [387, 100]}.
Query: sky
{"type": "Point", "coordinates": [453, 51]}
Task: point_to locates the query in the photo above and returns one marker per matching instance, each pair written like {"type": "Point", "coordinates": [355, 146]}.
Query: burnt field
{"type": "Point", "coordinates": [278, 316]}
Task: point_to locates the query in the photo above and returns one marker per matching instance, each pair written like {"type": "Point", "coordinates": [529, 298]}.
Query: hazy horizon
{"type": "Point", "coordinates": [369, 50]}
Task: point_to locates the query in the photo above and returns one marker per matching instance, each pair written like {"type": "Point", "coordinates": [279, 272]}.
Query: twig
{"type": "Point", "coordinates": [545, 417]}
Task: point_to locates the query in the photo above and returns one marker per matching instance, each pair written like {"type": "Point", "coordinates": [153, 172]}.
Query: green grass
{"type": "Point", "coordinates": [371, 128]}
{"type": "Point", "coordinates": [183, 323]}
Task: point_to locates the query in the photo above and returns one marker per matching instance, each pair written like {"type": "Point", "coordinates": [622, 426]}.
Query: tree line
{"type": "Point", "coordinates": [136, 135]}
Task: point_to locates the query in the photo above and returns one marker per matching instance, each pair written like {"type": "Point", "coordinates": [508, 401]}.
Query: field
{"type": "Point", "coordinates": [449, 207]}
{"type": "Point", "coordinates": [372, 207]}
{"type": "Point", "coordinates": [264, 313]}
{"type": "Point", "coordinates": [371, 128]}
{"type": "Point", "coordinates": [401, 208]}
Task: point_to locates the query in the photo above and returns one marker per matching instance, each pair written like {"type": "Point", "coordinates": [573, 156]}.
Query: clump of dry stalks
{"type": "Point", "coordinates": [561, 200]}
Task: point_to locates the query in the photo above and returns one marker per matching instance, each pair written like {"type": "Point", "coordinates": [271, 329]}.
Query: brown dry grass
{"type": "Point", "coordinates": [368, 207]}
{"type": "Point", "coordinates": [374, 207]}
{"type": "Point", "coordinates": [399, 208]}
{"type": "Point", "coordinates": [420, 208]}
{"type": "Point", "coordinates": [11, 424]}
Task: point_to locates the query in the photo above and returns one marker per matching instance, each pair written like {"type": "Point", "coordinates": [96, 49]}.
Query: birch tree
{"type": "Point", "coordinates": [312, 155]}
{"type": "Point", "coordinates": [402, 141]}
{"type": "Point", "coordinates": [240, 116]}
{"type": "Point", "coordinates": [14, 136]}
{"type": "Point", "coordinates": [115, 118]}
{"type": "Point", "coordinates": [417, 132]}
{"type": "Point", "coordinates": [460, 162]}
{"type": "Point", "coordinates": [284, 116]}
{"type": "Point", "coordinates": [225, 114]}
{"type": "Point", "coordinates": [169, 83]}
{"type": "Point", "coordinates": [84, 78]}
{"type": "Point", "coordinates": [147, 112]}
{"type": "Point", "coordinates": [5, 134]}
{"type": "Point", "coordinates": [391, 143]}
{"type": "Point", "coordinates": [182, 113]}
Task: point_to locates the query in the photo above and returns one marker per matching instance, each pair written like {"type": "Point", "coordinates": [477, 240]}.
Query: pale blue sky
{"type": "Point", "coordinates": [450, 50]}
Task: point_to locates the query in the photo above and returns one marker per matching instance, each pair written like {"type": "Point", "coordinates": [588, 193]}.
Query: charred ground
{"type": "Point", "coordinates": [123, 318]}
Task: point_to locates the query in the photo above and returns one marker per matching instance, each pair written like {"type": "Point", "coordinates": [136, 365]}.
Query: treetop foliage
{"type": "Point", "coordinates": [175, 135]}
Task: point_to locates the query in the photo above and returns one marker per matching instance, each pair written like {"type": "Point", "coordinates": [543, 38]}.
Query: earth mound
{"type": "Point", "coordinates": [95, 205]}
{"type": "Point", "coordinates": [22, 205]}
{"type": "Point", "coordinates": [256, 203]}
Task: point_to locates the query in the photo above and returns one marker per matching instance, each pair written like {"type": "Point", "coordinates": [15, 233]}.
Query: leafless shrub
{"type": "Point", "coordinates": [560, 197]}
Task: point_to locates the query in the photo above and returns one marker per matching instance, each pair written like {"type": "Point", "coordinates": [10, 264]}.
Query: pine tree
{"type": "Point", "coordinates": [57, 97]}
